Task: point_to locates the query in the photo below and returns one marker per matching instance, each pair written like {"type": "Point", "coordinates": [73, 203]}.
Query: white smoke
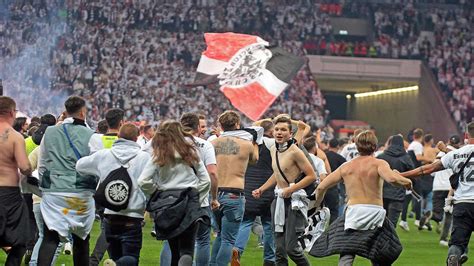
{"type": "Point", "coordinates": [27, 70]}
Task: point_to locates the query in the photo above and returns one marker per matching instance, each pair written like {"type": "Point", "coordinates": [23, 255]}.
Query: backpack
{"type": "Point", "coordinates": [115, 191]}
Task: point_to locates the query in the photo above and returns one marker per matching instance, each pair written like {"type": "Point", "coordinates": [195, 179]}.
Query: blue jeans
{"type": "Point", "coordinates": [202, 249]}
{"type": "Point", "coordinates": [203, 244]}
{"type": "Point", "coordinates": [40, 225]}
{"type": "Point", "coordinates": [125, 241]}
{"type": "Point", "coordinates": [228, 219]}
{"type": "Point", "coordinates": [244, 234]}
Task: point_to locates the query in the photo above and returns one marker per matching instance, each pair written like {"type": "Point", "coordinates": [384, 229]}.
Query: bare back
{"type": "Point", "coordinates": [233, 156]}
{"type": "Point", "coordinates": [12, 155]}
{"type": "Point", "coordinates": [362, 181]}
{"type": "Point", "coordinates": [430, 153]}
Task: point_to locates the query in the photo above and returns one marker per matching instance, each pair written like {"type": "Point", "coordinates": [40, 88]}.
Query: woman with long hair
{"type": "Point", "coordinates": [179, 182]}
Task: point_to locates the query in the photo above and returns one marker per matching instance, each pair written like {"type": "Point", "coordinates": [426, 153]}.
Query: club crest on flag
{"type": "Point", "coordinates": [245, 66]}
{"type": "Point", "coordinates": [251, 74]}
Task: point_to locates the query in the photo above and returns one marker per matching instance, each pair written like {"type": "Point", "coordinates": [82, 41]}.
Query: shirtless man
{"type": "Point", "coordinates": [290, 224]}
{"type": "Point", "coordinates": [363, 177]}
{"type": "Point", "coordinates": [425, 185]}
{"type": "Point", "coordinates": [14, 210]}
{"type": "Point", "coordinates": [233, 155]}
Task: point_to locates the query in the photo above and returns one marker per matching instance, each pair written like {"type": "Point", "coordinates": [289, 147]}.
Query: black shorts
{"type": "Point", "coordinates": [14, 218]}
{"type": "Point", "coordinates": [463, 224]}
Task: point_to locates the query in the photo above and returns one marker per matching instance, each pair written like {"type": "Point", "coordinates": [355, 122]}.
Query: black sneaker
{"type": "Point", "coordinates": [429, 226]}
{"type": "Point", "coordinates": [452, 260]}
{"type": "Point", "coordinates": [463, 258]}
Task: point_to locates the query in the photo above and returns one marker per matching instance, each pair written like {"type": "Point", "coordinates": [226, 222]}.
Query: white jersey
{"type": "Point", "coordinates": [350, 152]}
{"type": "Point", "coordinates": [416, 147]}
{"type": "Point", "coordinates": [318, 164]}
{"type": "Point", "coordinates": [454, 160]}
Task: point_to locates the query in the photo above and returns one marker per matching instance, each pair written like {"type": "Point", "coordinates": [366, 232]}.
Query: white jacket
{"type": "Point", "coordinates": [126, 153]}
{"type": "Point", "coordinates": [178, 176]}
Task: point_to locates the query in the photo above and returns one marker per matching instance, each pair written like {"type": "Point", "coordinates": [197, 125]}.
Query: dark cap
{"type": "Point", "coordinates": [454, 139]}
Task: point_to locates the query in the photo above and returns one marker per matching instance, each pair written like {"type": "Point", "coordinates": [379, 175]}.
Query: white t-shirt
{"type": "Point", "coordinates": [206, 151]}
{"type": "Point", "coordinates": [441, 178]}
{"type": "Point", "coordinates": [454, 160]}
{"type": "Point", "coordinates": [208, 156]}
{"type": "Point", "coordinates": [349, 152]}
{"type": "Point", "coordinates": [416, 147]}
{"type": "Point", "coordinates": [95, 143]}
{"type": "Point", "coordinates": [142, 141]}
{"type": "Point", "coordinates": [319, 164]}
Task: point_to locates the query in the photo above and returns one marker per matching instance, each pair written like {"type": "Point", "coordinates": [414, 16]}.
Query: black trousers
{"type": "Point", "coordinates": [101, 246]}
{"type": "Point", "coordinates": [182, 246]}
{"type": "Point", "coordinates": [438, 204]}
{"type": "Point", "coordinates": [331, 200]}
{"type": "Point", "coordinates": [463, 224]}
{"type": "Point", "coordinates": [406, 203]}
{"type": "Point", "coordinates": [393, 208]}
{"type": "Point", "coordinates": [80, 249]}
{"type": "Point", "coordinates": [34, 231]}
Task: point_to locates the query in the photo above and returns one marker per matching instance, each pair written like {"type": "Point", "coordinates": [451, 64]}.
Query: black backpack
{"type": "Point", "coordinates": [115, 190]}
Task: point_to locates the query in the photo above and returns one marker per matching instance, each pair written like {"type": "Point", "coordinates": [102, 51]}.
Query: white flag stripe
{"type": "Point", "coordinates": [210, 66]}
{"type": "Point", "coordinates": [271, 83]}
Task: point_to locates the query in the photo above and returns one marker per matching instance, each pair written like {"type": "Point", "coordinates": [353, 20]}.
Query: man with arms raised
{"type": "Point", "coordinates": [463, 210]}
{"type": "Point", "coordinates": [363, 176]}
{"type": "Point", "coordinates": [14, 212]}
{"type": "Point", "coordinates": [289, 223]}
{"type": "Point", "coordinates": [233, 155]}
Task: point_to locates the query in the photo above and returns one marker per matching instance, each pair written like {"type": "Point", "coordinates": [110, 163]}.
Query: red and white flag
{"type": "Point", "coordinates": [250, 74]}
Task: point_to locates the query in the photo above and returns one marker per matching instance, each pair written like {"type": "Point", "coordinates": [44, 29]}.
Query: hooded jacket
{"type": "Point", "coordinates": [398, 159]}
{"type": "Point", "coordinates": [123, 152]}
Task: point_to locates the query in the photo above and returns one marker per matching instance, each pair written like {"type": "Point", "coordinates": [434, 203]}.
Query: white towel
{"type": "Point", "coordinates": [279, 218]}
{"type": "Point", "coordinates": [299, 202]}
{"type": "Point", "coordinates": [68, 213]}
{"type": "Point", "coordinates": [364, 217]}
{"type": "Point", "coordinates": [240, 133]}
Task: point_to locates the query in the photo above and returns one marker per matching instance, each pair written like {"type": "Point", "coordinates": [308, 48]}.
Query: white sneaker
{"type": "Point", "coordinates": [109, 262]}
{"type": "Point", "coordinates": [67, 248]}
{"type": "Point", "coordinates": [404, 225]}
{"type": "Point", "coordinates": [443, 243]}
{"type": "Point", "coordinates": [417, 222]}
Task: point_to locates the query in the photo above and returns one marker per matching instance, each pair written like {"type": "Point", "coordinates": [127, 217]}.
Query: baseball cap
{"type": "Point", "coordinates": [454, 139]}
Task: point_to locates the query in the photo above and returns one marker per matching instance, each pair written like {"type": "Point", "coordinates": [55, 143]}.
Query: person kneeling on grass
{"type": "Point", "coordinates": [123, 228]}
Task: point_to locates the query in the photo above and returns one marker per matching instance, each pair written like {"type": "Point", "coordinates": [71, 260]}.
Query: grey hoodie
{"type": "Point", "coordinates": [123, 152]}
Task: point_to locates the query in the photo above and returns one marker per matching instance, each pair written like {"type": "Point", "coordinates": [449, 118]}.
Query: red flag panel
{"type": "Point", "coordinates": [252, 100]}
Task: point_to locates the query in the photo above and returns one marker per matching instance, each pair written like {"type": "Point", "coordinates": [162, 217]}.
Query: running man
{"type": "Point", "coordinates": [13, 211]}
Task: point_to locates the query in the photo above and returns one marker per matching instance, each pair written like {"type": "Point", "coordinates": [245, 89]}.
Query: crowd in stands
{"type": "Point", "coordinates": [138, 55]}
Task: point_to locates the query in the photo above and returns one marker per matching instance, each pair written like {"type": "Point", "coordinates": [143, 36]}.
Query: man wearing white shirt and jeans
{"type": "Point", "coordinates": [441, 188]}
{"type": "Point", "coordinates": [463, 210]}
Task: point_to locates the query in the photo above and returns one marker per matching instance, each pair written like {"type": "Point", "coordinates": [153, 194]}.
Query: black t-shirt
{"type": "Point", "coordinates": [335, 160]}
